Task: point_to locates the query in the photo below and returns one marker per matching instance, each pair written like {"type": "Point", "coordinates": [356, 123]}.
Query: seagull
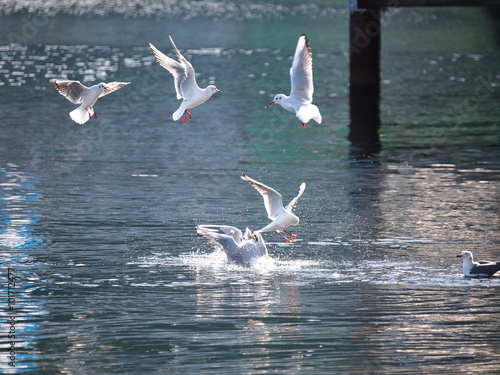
{"type": "Point", "coordinates": [77, 93]}
{"type": "Point", "coordinates": [242, 249]}
{"type": "Point", "coordinates": [282, 217]}
{"type": "Point", "coordinates": [301, 76]}
{"type": "Point", "coordinates": [480, 268]}
{"type": "Point", "coordinates": [185, 82]}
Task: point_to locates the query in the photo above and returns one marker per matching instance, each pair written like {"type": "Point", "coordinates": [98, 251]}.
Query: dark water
{"type": "Point", "coordinates": [97, 221]}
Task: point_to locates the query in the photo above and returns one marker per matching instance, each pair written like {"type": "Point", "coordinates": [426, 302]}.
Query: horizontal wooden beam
{"type": "Point", "coordinates": [376, 4]}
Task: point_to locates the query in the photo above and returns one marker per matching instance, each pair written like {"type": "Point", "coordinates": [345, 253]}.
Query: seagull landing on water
{"type": "Point", "coordinates": [301, 94]}
{"type": "Point", "coordinates": [282, 217]}
{"type": "Point", "coordinates": [481, 268]}
{"type": "Point", "coordinates": [77, 93]}
{"type": "Point", "coordinates": [242, 249]}
{"type": "Point", "coordinates": [185, 82]}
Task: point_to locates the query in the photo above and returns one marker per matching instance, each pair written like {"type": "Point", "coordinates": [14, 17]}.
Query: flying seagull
{"type": "Point", "coordinates": [481, 268]}
{"type": "Point", "coordinates": [301, 94]}
{"type": "Point", "coordinates": [282, 217]}
{"type": "Point", "coordinates": [241, 248]}
{"type": "Point", "coordinates": [185, 82]}
{"type": "Point", "coordinates": [77, 93]}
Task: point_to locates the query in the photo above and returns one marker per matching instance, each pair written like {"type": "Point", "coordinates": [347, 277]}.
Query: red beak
{"type": "Point", "coordinates": [272, 102]}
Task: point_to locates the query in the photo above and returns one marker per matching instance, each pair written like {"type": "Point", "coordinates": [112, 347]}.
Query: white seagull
{"type": "Point", "coordinates": [77, 93]}
{"type": "Point", "coordinates": [301, 94]}
{"type": "Point", "coordinates": [282, 217]}
{"type": "Point", "coordinates": [185, 82]}
{"type": "Point", "coordinates": [481, 268]}
{"type": "Point", "coordinates": [242, 249]}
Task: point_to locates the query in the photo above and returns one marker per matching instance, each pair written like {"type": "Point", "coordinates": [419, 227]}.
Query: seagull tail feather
{"type": "Point", "coordinates": [180, 112]}
{"type": "Point", "coordinates": [81, 115]}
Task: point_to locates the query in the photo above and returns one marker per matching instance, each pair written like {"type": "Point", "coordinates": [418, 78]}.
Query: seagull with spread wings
{"type": "Point", "coordinates": [301, 94]}
{"type": "Point", "coordinates": [185, 83]}
{"type": "Point", "coordinates": [282, 217]}
{"type": "Point", "coordinates": [77, 93]}
{"type": "Point", "coordinates": [241, 248]}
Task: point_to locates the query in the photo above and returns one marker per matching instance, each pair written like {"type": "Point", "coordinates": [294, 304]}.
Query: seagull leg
{"type": "Point", "coordinates": [186, 115]}
{"type": "Point", "coordinates": [290, 234]}
{"type": "Point", "coordinates": [286, 239]}
{"type": "Point", "coordinates": [303, 125]}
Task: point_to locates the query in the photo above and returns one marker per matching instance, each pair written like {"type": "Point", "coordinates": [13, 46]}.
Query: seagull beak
{"type": "Point", "coordinates": [459, 255]}
{"type": "Point", "coordinates": [107, 89]}
{"type": "Point", "coordinates": [272, 102]}
{"type": "Point", "coordinates": [217, 90]}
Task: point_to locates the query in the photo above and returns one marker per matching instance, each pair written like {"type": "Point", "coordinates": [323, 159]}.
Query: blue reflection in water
{"type": "Point", "coordinates": [18, 244]}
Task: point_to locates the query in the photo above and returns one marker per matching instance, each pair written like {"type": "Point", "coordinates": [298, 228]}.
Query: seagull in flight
{"type": "Point", "coordinates": [481, 268]}
{"type": "Point", "coordinates": [241, 248]}
{"type": "Point", "coordinates": [77, 93]}
{"type": "Point", "coordinates": [282, 217]}
{"type": "Point", "coordinates": [301, 94]}
{"type": "Point", "coordinates": [185, 82]}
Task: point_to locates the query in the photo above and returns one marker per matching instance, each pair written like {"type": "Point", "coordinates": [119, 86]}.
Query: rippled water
{"type": "Point", "coordinates": [98, 221]}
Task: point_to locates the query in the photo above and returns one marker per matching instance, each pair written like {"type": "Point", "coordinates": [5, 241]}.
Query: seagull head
{"type": "Point", "coordinates": [213, 89]}
{"type": "Point", "coordinates": [103, 86]}
{"type": "Point", "coordinates": [465, 254]}
{"type": "Point", "coordinates": [277, 99]}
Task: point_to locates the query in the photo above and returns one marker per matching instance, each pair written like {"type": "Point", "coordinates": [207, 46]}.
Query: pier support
{"type": "Point", "coordinates": [364, 66]}
{"type": "Point", "coordinates": [364, 91]}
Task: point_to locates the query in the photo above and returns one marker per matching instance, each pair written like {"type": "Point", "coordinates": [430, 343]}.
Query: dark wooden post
{"type": "Point", "coordinates": [364, 92]}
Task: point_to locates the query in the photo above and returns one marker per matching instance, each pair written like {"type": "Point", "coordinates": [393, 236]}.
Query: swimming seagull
{"type": "Point", "coordinates": [241, 249]}
{"type": "Point", "coordinates": [185, 82]}
{"type": "Point", "coordinates": [282, 217]}
{"type": "Point", "coordinates": [77, 93]}
{"type": "Point", "coordinates": [481, 268]}
{"type": "Point", "coordinates": [301, 94]}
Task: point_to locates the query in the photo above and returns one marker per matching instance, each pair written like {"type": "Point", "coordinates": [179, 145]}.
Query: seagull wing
{"type": "Point", "coordinates": [113, 86]}
{"type": "Point", "coordinates": [214, 234]}
{"type": "Point", "coordinates": [74, 91]}
{"type": "Point", "coordinates": [487, 268]}
{"type": "Point", "coordinates": [188, 85]}
{"type": "Point", "coordinates": [293, 203]}
{"type": "Point", "coordinates": [272, 199]}
{"type": "Point", "coordinates": [178, 70]}
{"type": "Point", "coordinates": [301, 74]}
{"type": "Point", "coordinates": [228, 230]}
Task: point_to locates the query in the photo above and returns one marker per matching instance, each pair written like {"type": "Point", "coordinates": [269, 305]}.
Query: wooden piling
{"type": "Point", "coordinates": [364, 91]}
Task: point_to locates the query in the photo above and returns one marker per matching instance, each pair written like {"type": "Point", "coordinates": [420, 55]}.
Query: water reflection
{"type": "Point", "coordinates": [365, 124]}
{"type": "Point", "coordinates": [18, 243]}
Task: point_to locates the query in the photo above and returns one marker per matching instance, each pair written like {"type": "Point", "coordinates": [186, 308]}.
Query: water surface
{"type": "Point", "coordinates": [98, 221]}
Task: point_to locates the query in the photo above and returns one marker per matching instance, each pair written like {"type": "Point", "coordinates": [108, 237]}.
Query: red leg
{"type": "Point", "coordinates": [303, 125]}
{"type": "Point", "coordinates": [290, 234]}
{"type": "Point", "coordinates": [186, 115]}
{"type": "Point", "coordinates": [286, 239]}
